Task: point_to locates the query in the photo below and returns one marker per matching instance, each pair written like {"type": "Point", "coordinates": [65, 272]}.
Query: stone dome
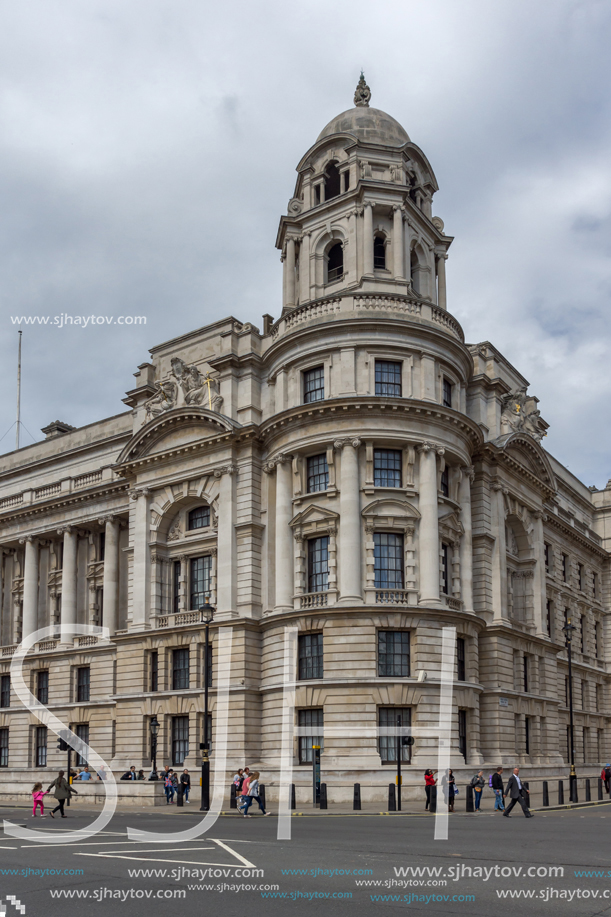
{"type": "Point", "coordinates": [369, 124]}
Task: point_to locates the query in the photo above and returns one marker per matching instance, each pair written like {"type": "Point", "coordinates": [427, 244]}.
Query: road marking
{"type": "Point", "coordinates": [110, 855]}
{"type": "Point", "coordinates": [235, 854]}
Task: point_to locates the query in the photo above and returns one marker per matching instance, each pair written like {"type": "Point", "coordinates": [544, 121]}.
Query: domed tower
{"type": "Point", "coordinates": [361, 215]}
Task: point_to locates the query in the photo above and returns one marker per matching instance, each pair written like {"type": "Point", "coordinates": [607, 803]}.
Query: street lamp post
{"type": "Point", "coordinates": [207, 612]}
{"type": "Point", "coordinates": [154, 728]}
{"type": "Point", "coordinates": [568, 634]}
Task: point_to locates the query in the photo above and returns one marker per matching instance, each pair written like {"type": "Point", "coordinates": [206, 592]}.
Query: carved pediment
{"type": "Point", "coordinates": [175, 429]}
{"type": "Point", "coordinates": [526, 451]}
{"type": "Point", "coordinates": [389, 506]}
{"type": "Point", "coordinates": [314, 519]}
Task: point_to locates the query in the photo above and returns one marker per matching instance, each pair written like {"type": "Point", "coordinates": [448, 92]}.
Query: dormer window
{"type": "Point", "coordinates": [332, 181]}
{"type": "Point", "coordinates": [379, 254]}
{"type": "Point", "coordinates": [335, 263]}
{"type": "Point", "coordinates": [199, 518]}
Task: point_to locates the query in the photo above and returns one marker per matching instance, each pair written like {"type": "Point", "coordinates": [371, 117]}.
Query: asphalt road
{"type": "Point", "coordinates": [240, 868]}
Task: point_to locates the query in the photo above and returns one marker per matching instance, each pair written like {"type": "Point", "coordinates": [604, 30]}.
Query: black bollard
{"type": "Point", "coordinates": [560, 793]}
{"type": "Point", "coordinates": [588, 790]}
{"type": "Point", "coordinates": [433, 802]}
{"type": "Point", "coordinates": [356, 799]}
{"type": "Point", "coordinates": [573, 789]}
{"type": "Point", "coordinates": [293, 803]}
{"type": "Point", "coordinates": [545, 793]}
{"type": "Point", "coordinates": [526, 787]}
{"type": "Point", "coordinates": [179, 794]}
{"type": "Point", "coordinates": [232, 797]}
{"type": "Point", "coordinates": [392, 799]}
{"type": "Point", "coordinates": [262, 794]}
{"type": "Point", "coordinates": [323, 795]}
{"type": "Point", "coordinates": [600, 788]}
{"type": "Point", "coordinates": [470, 807]}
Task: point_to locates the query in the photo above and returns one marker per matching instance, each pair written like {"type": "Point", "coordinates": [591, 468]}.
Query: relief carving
{"type": "Point", "coordinates": [520, 415]}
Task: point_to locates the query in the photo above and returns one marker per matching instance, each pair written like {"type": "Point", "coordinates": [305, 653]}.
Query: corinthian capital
{"type": "Point", "coordinates": [431, 447]}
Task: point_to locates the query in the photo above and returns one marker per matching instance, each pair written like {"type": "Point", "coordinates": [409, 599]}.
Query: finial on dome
{"type": "Point", "coordinates": [362, 94]}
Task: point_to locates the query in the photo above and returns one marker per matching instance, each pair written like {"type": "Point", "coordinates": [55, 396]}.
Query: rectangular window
{"type": "Point", "coordinates": [83, 681]}
{"type": "Point", "coordinates": [318, 564]}
{"type": "Point", "coordinates": [582, 633]}
{"type": "Point", "coordinates": [180, 669]}
{"type": "Point", "coordinates": [445, 569]}
{"type": "Point", "coordinates": [393, 654]}
{"type": "Point", "coordinates": [462, 733]}
{"type": "Point", "coordinates": [5, 691]}
{"type": "Point", "coordinates": [388, 560]}
{"type": "Point", "coordinates": [597, 639]}
{"type": "Point", "coordinates": [41, 746]}
{"type": "Point", "coordinates": [584, 695]}
{"type": "Point", "coordinates": [318, 473]}
{"type": "Point", "coordinates": [388, 378]}
{"type": "Point", "coordinates": [547, 550]}
{"type": "Point", "coordinates": [176, 586]}
{"type": "Point", "coordinates": [444, 482]}
{"type": "Point", "coordinates": [527, 735]}
{"type": "Point", "coordinates": [155, 670]}
{"type": "Point", "coordinates": [310, 656]}
{"type": "Point", "coordinates": [42, 687]}
{"type": "Point", "coordinates": [565, 568]}
{"type": "Point", "coordinates": [3, 747]}
{"type": "Point", "coordinates": [312, 721]}
{"type": "Point", "coordinates": [526, 674]}
{"type": "Point", "coordinates": [389, 744]}
{"type": "Point", "coordinates": [461, 674]}
{"type": "Point", "coordinates": [314, 385]}
{"type": "Point", "coordinates": [549, 617]}
{"type": "Point", "coordinates": [82, 732]}
{"type": "Point", "coordinates": [447, 393]}
{"type": "Point", "coordinates": [102, 546]}
{"type": "Point", "coordinates": [200, 579]}
{"type": "Point", "coordinates": [387, 467]}
{"type": "Point", "coordinates": [198, 518]}
{"type": "Point", "coordinates": [595, 585]}
{"type": "Point", "coordinates": [580, 576]}
{"type": "Point", "coordinates": [180, 740]}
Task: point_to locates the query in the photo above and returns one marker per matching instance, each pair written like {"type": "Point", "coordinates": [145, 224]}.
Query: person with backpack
{"type": "Point", "coordinates": [478, 783]}
{"type": "Point", "coordinates": [496, 783]}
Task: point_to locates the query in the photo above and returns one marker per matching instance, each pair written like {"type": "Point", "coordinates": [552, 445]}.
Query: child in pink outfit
{"type": "Point", "coordinates": [37, 795]}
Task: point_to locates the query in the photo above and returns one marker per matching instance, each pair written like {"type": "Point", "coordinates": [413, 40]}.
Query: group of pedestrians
{"type": "Point", "coordinates": [515, 790]}
{"type": "Point", "coordinates": [247, 790]}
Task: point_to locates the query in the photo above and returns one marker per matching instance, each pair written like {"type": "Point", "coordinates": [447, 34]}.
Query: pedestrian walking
{"type": "Point", "coordinates": [496, 782]}
{"type": "Point", "coordinates": [478, 783]}
{"type": "Point", "coordinates": [168, 786]}
{"type": "Point", "coordinates": [451, 790]}
{"type": "Point", "coordinates": [185, 780]}
{"type": "Point", "coordinates": [244, 789]}
{"type": "Point", "coordinates": [63, 791]}
{"type": "Point", "coordinates": [38, 795]}
{"type": "Point", "coordinates": [429, 781]}
{"type": "Point", "coordinates": [253, 793]}
{"type": "Point", "coordinates": [518, 793]}
{"type": "Point", "coordinates": [606, 776]}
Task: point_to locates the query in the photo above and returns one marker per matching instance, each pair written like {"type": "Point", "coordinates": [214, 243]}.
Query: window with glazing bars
{"type": "Point", "coordinates": [549, 617]}
{"type": "Point", "coordinates": [199, 518]}
{"type": "Point", "coordinates": [447, 393]}
{"type": "Point", "coordinates": [388, 378]}
{"type": "Point", "coordinates": [582, 633]}
{"type": "Point", "coordinates": [387, 468]}
{"type": "Point", "coordinates": [527, 735]}
{"type": "Point", "coordinates": [155, 670]}
{"type": "Point", "coordinates": [180, 669]}
{"type": "Point", "coordinates": [547, 551]}
{"type": "Point", "coordinates": [42, 687]}
{"type": "Point", "coordinates": [318, 473]}
{"type": "Point", "coordinates": [597, 639]}
{"type": "Point", "coordinates": [445, 571]}
{"type": "Point", "coordinates": [444, 482]}
{"type": "Point", "coordinates": [310, 656]}
{"type": "Point", "coordinates": [3, 747]}
{"type": "Point", "coordinates": [201, 573]}
{"type": "Point", "coordinates": [580, 576]}
{"type": "Point", "coordinates": [379, 254]}
{"type": "Point", "coordinates": [318, 564]}
{"type": "Point", "coordinates": [565, 568]}
{"type": "Point", "coordinates": [41, 746]}
{"type": "Point", "coordinates": [393, 654]}
{"type": "Point", "coordinates": [461, 674]}
{"type": "Point", "coordinates": [311, 720]}
{"type": "Point", "coordinates": [314, 384]}
{"type": "Point", "coordinates": [176, 586]}
{"type": "Point", "coordinates": [180, 739]}
{"type": "Point", "coordinates": [462, 733]}
{"type": "Point", "coordinates": [388, 560]}
{"type": "Point", "coordinates": [525, 674]}
{"type": "Point", "coordinates": [388, 718]}
{"type": "Point", "coordinates": [102, 552]}
{"type": "Point", "coordinates": [83, 675]}
{"type": "Point", "coordinates": [5, 691]}
{"type": "Point", "coordinates": [82, 731]}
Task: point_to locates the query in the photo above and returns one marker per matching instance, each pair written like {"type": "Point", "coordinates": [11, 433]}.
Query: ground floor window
{"type": "Point", "coordinates": [180, 739]}
{"type": "Point", "coordinates": [388, 719]}
{"type": "Point", "coordinates": [462, 733]}
{"type": "Point", "coordinates": [3, 747]}
{"type": "Point", "coordinates": [82, 731]}
{"type": "Point", "coordinates": [312, 720]}
{"type": "Point", "coordinates": [41, 746]}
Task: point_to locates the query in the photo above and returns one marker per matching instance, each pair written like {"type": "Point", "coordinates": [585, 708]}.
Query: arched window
{"type": "Point", "coordinates": [415, 271]}
{"type": "Point", "coordinates": [199, 518]}
{"type": "Point", "coordinates": [335, 263]}
{"type": "Point", "coordinates": [379, 254]}
{"type": "Point", "coordinates": [332, 182]}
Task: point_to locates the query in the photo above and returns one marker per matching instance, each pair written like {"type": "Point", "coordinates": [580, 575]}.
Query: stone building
{"type": "Point", "coordinates": [354, 470]}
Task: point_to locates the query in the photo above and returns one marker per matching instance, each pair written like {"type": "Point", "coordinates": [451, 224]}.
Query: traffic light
{"type": "Point", "coordinates": [407, 740]}
{"type": "Point", "coordinates": [62, 745]}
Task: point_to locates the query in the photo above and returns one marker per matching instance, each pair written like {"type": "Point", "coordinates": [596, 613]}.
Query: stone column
{"type": "Point", "coordinates": [30, 587]}
{"type": "Point", "coordinates": [110, 609]}
{"type": "Point", "coordinates": [368, 240]}
{"type": "Point", "coordinates": [304, 268]}
{"type": "Point", "coordinates": [539, 588]}
{"type": "Point", "coordinates": [68, 606]}
{"type": "Point", "coordinates": [499, 556]}
{"type": "Point", "coordinates": [284, 534]}
{"type": "Point", "coordinates": [141, 577]}
{"type": "Point", "coordinates": [226, 559]}
{"type": "Point", "coordinates": [350, 579]}
{"type": "Point", "coordinates": [290, 272]}
{"type": "Point", "coordinates": [397, 242]}
{"type": "Point", "coordinates": [428, 548]}
{"type": "Point", "coordinates": [466, 544]}
{"type": "Point", "coordinates": [441, 280]}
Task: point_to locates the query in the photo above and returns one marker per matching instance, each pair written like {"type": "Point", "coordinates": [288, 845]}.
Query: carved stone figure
{"type": "Point", "coordinates": [362, 95]}
{"type": "Point", "coordinates": [195, 388]}
{"type": "Point", "coordinates": [520, 415]}
{"type": "Point", "coordinates": [164, 398]}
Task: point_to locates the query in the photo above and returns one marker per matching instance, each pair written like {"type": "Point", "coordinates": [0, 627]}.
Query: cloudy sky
{"type": "Point", "coordinates": [147, 150]}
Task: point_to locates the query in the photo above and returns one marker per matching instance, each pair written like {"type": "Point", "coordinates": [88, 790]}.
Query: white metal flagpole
{"type": "Point", "coordinates": [18, 392]}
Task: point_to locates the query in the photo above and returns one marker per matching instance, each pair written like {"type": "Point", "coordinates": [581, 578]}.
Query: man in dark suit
{"type": "Point", "coordinates": [518, 793]}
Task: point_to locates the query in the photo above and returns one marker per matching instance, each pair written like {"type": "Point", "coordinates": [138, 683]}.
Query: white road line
{"type": "Point", "coordinates": [90, 844]}
{"type": "Point", "coordinates": [163, 849]}
{"type": "Point", "coordinates": [109, 856]}
{"type": "Point", "coordinates": [237, 855]}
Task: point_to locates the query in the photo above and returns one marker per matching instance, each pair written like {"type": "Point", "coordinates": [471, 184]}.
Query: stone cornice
{"type": "Point", "coordinates": [575, 535]}
{"type": "Point", "coordinates": [494, 453]}
{"type": "Point", "coordinates": [29, 510]}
